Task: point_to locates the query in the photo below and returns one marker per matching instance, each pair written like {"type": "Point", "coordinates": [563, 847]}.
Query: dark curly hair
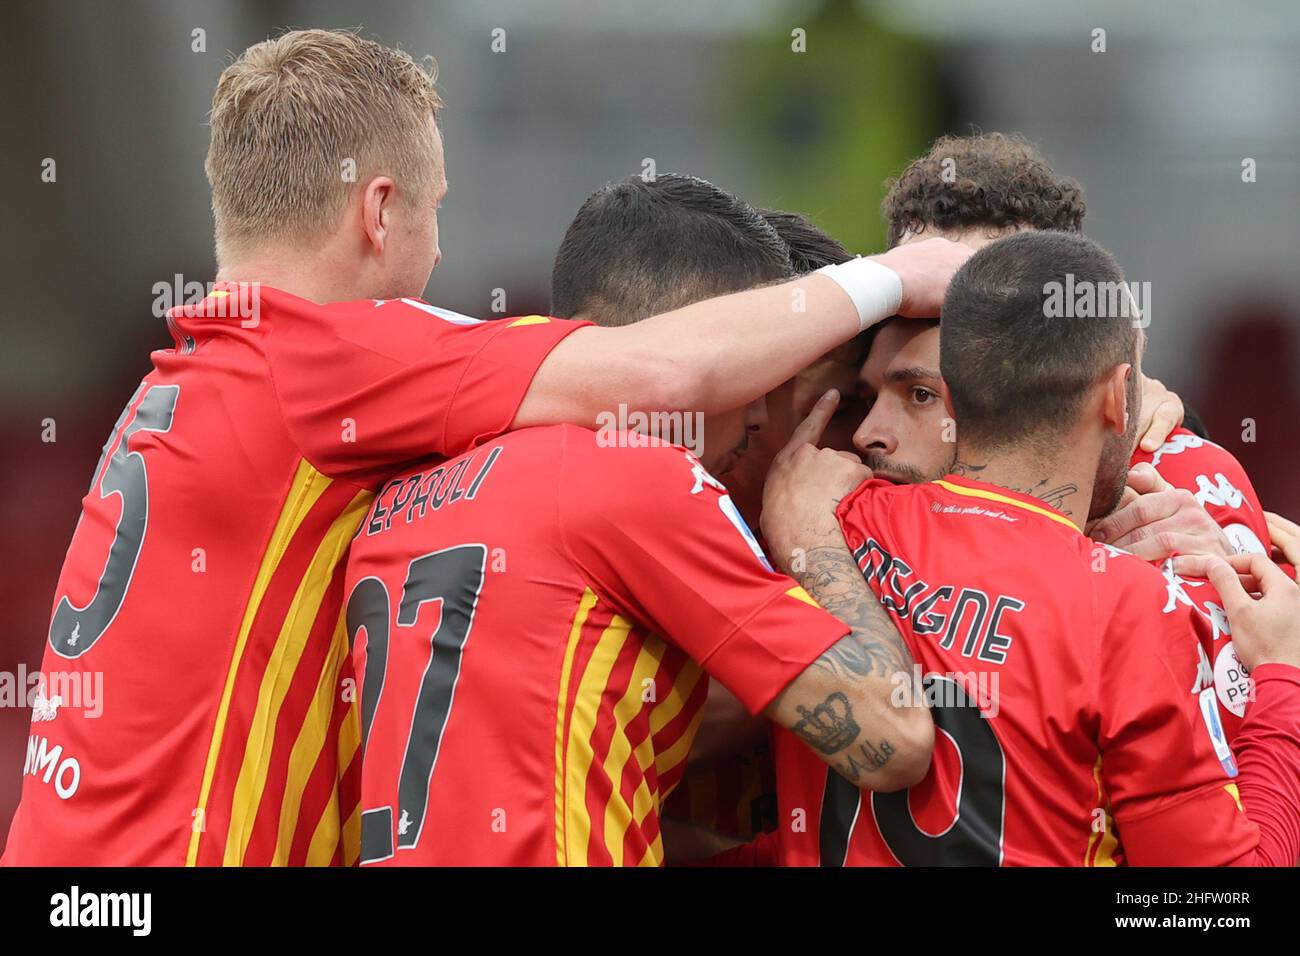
{"type": "Point", "coordinates": [997, 180]}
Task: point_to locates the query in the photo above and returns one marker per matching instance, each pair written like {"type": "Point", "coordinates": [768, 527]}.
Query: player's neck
{"type": "Point", "coordinates": [314, 278]}
{"type": "Point", "coordinates": [1062, 478]}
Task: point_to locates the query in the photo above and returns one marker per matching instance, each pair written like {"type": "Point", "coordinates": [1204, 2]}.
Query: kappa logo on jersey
{"type": "Point", "coordinates": [1176, 594]}
{"type": "Point", "coordinates": [45, 708]}
{"type": "Point", "coordinates": [702, 478]}
{"type": "Point", "coordinates": [1176, 445]}
{"type": "Point", "coordinates": [1217, 617]}
{"type": "Point", "coordinates": [1176, 588]}
{"type": "Point", "coordinates": [1221, 492]}
{"type": "Point", "coordinates": [1204, 671]}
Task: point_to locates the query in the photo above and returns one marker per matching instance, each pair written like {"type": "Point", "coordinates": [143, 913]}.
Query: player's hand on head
{"type": "Point", "coordinates": [1162, 412]}
{"type": "Point", "coordinates": [926, 268]}
{"type": "Point", "coordinates": [804, 486]}
{"type": "Point", "coordinates": [1285, 535]}
{"type": "Point", "coordinates": [1265, 629]}
{"type": "Point", "coordinates": [1156, 520]}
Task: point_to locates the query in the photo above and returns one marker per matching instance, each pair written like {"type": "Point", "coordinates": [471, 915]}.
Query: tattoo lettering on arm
{"type": "Point", "coordinates": [867, 759]}
{"type": "Point", "coordinates": [873, 651]}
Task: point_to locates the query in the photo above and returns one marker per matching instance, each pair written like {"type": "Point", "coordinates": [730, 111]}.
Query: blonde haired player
{"type": "Point", "coordinates": [204, 578]}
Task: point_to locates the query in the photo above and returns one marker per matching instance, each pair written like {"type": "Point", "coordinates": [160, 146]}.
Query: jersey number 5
{"type": "Point", "coordinates": [74, 630]}
{"type": "Point", "coordinates": [454, 577]}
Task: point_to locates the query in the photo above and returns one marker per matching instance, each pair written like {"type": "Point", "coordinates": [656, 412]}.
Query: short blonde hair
{"type": "Point", "coordinates": [294, 115]}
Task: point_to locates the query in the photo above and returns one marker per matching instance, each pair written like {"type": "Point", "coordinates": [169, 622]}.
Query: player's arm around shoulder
{"type": "Point", "coordinates": [853, 706]}
{"type": "Point", "coordinates": [658, 537]}
{"type": "Point", "coordinates": [718, 354]}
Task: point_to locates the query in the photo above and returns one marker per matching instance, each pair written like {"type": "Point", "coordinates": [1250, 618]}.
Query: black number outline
{"type": "Point", "coordinates": [971, 839]}
{"type": "Point", "coordinates": [126, 476]}
{"type": "Point", "coordinates": [444, 576]}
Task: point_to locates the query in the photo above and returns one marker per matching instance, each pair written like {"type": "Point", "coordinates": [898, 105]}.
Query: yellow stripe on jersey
{"type": "Point", "coordinates": [1003, 499]}
{"type": "Point", "coordinates": [799, 594]}
{"type": "Point", "coordinates": [1108, 844]}
{"type": "Point", "coordinates": [1235, 794]}
{"type": "Point", "coordinates": [665, 713]}
{"type": "Point", "coordinates": [349, 750]}
{"type": "Point", "coordinates": [585, 605]}
{"type": "Point", "coordinates": [1105, 841]}
{"type": "Point", "coordinates": [311, 741]}
{"type": "Point", "coordinates": [307, 486]}
{"type": "Point", "coordinates": [682, 688]}
{"type": "Point", "coordinates": [327, 838]}
{"type": "Point", "coordinates": [618, 815]}
{"type": "Point", "coordinates": [529, 320]}
{"type": "Point", "coordinates": [582, 724]}
{"type": "Point", "coordinates": [352, 837]}
{"type": "Point", "coordinates": [279, 674]}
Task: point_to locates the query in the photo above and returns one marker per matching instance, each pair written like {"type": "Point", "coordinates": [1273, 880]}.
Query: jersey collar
{"type": "Point", "coordinates": [970, 488]}
{"type": "Point", "coordinates": [225, 303]}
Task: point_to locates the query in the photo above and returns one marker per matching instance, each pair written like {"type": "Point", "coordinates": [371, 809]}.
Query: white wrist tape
{"type": "Point", "coordinates": [876, 290]}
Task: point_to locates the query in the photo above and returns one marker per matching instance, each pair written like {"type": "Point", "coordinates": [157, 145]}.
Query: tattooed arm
{"type": "Point", "coordinates": [853, 706]}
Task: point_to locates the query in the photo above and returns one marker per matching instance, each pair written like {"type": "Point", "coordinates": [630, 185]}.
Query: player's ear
{"type": "Point", "coordinates": [1114, 401]}
{"type": "Point", "coordinates": [376, 203]}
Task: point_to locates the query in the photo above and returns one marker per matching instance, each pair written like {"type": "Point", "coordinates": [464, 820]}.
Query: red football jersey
{"type": "Point", "coordinates": [202, 589]}
{"type": "Point", "coordinates": [1221, 486]}
{"type": "Point", "coordinates": [1219, 667]}
{"type": "Point", "coordinates": [527, 620]}
{"type": "Point", "coordinates": [1074, 729]}
{"type": "Point", "coordinates": [1216, 478]}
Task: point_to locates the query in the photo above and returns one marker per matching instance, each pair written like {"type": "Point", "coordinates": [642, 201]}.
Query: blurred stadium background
{"type": "Point", "coordinates": [1156, 128]}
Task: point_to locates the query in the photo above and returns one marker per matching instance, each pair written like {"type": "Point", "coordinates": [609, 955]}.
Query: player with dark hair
{"type": "Point", "coordinates": [811, 248]}
{"type": "Point", "coordinates": [1065, 677]}
{"type": "Point", "coordinates": [608, 262]}
{"type": "Point", "coordinates": [533, 620]}
{"type": "Point", "coordinates": [205, 573]}
{"type": "Point", "coordinates": [893, 414]}
{"type": "Point", "coordinates": [980, 186]}
{"type": "Point", "coordinates": [975, 189]}
{"type": "Point", "coordinates": [790, 402]}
